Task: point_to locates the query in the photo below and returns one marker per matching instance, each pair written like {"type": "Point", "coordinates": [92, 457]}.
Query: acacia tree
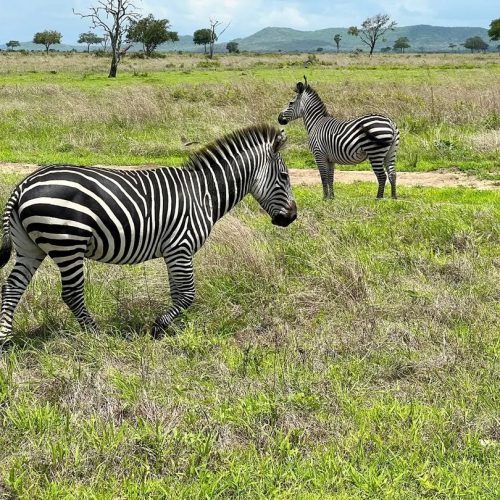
{"type": "Point", "coordinates": [372, 29]}
{"type": "Point", "coordinates": [401, 44]}
{"type": "Point", "coordinates": [90, 39]}
{"type": "Point", "coordinates": [151, 32]}
{"type": "Point", "coordinates": [494, 31]}
{"type": "Point", "coordinates": [475, 43]}
{"type": "Point", "coordinates": [112, 17]}
{"type": "Point", "coordinates": [337, 39]}
{"type": "Point", "coordinates": [12, 44]}
{"type": "Point", "coordinates": [202, 37]}
{"type": "Point", "coordinates": [47, 38]}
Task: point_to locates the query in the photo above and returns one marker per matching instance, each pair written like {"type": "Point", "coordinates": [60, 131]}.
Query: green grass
{"type": "Point", "coordinates": [65, 109]}
{"type": "Point", "coordinates": [353, 354]}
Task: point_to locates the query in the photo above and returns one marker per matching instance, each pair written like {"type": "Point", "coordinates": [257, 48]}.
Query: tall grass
{"type": "Point", "coordinates": [445, 106]}
{"type": "Point", "coordinates": [353, 354]}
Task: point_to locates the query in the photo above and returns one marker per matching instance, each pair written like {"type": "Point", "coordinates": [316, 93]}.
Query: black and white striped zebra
{"type": "Point", "coordinates": [128, 216]}
{"type": "Point", "coordinates": [347, 142]}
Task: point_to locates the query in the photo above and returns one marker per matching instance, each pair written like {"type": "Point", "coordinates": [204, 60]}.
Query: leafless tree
{"type": "Point", "coordinates": [112, 17]}
{"type": "Point", "coordinates": [372, 29]}
{"type": "Point", "coordinates": [214, 36]}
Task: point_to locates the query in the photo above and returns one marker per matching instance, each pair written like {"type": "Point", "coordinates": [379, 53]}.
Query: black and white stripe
{"type": "Point", "coordinates": [123, 217]}
{"type": "Point", "coordinates": [372, 137]}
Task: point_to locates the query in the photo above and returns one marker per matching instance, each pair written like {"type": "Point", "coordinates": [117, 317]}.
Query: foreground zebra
{"type": "Point", "coordinates": [125, 217]}
{"type": "Point", "coordinates": [372, 137]}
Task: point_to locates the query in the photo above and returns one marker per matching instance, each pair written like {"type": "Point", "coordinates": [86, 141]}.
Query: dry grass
{"type": "Point", "coordinates": [90, 64]}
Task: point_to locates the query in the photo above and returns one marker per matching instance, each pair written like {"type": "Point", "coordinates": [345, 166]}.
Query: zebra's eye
{"type": "Point", "coordinates": [283, 176]}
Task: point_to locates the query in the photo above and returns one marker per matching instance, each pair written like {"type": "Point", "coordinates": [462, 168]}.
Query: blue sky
{"type": "Point", "coordinates": [20, 20]}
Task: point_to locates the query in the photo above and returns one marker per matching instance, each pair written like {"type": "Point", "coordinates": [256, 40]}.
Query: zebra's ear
{"type": "Point", "coordinates": [299, 88]}
{"type": "Point", "coordinates": [305, 82]}
{"type": "Point", "coordinates": [279, 141]}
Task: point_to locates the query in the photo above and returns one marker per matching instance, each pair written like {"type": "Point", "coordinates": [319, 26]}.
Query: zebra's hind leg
{"type": "Point", "coordinates": [72, 280]}
{"type": "Point", "coordinates": [392, 180]}
{"type": "Point", "coordinates": [378, 168]}
{"type": "Point", "coordinates": [181, 279]}
{"type": "Point", "coordinates": [13, 289]}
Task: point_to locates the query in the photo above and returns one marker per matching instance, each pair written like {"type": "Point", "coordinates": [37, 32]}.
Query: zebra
{"type": "Point", "coordinates": [122, 216]}
{"type": "Point", "coordinates": [348, 142]}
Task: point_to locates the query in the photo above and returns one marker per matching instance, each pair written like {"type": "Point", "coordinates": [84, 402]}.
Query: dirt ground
{"type": "Point", "coordinates": [308, 177]}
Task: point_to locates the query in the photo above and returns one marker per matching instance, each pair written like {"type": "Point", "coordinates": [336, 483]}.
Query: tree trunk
{"type": "Point", "coordinates": [114, 65]}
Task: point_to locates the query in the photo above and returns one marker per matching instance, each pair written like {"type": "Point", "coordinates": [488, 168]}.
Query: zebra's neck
{"type": "Point", "coordinates": [224, 184]}
{"type": "Point", "coordinates": [314, 109]}
{"type": "Point", "coordinates": [225, 172]}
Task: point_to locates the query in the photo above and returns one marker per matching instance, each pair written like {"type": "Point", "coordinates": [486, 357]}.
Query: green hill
{"type": "Point", "coordinates": [422, 38]}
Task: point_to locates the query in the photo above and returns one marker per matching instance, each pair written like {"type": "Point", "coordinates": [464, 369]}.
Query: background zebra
{"type": "Point", "coordinates": [124, 217]}
{"type": "Point", "coordinates": [372, 137]}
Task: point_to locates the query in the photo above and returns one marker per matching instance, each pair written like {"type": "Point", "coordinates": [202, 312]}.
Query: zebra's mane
{"type": "Point", "coordinates": [309, 90]}
{"type": "Point", "coordinates": [238, 140]}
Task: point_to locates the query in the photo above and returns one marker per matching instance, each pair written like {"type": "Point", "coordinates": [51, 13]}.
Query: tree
{"type": "Point", "coordinates": [214, 36]}
{"type": "Point", "coordinates": [494, 31]}
{"type": "Point", "coordinates": [47, 38]}
{"type": "Point", "coordinates": [151, 32]}
{"type": "Point", "coordinates": [90, 39]}
{"type": "Point", "coordinates": [452, 46]}
{"type": "Point", "coordinates": [401, 44]}
{"type": "Point", "coordinates": [475, 43]}
{"type": "Point", "coordinates": [384, 50]}
{"type": "Point", "coordinates": [372, 29]}
{"type": "Point", "coordinates": [12, 44]}
{"type": "Point", "coordinates": [233, 48]}
{"type": "Point", "coordinates": [112, 17]}
{"type": "Point", "coordinates": [337, 39]}
{"type": "Point", "coordinates": [202, 37]}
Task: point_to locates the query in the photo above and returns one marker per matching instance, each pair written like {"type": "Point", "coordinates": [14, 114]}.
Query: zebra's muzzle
{"type": "Point", "coordinates": [282, 120]}
{"type": "Point", "coordinates": [284, 220]}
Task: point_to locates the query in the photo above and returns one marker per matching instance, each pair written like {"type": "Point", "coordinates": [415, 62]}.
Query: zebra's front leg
{"type": "Point", "coordinates": [326, 173]}
{"type": "Point", "coordinates": [13, 289]}
{"type": "Point", "coordinates": [72, 281]}
{"type": "Point", "coordinates": [181, 279]}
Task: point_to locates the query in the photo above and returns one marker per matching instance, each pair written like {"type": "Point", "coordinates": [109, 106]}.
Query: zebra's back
{"type": "Point", "coordinates": [351, 141]}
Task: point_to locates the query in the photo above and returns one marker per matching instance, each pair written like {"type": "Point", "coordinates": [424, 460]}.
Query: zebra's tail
{"type": "Point", "coordinates": [389, 157]}
{"type": "Point", "coordinates": [6, 248]}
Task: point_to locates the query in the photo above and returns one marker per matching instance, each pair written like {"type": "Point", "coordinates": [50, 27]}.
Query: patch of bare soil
{"type": "Point", "coordinates": [438, 178]}
{"type": "Point", "coordinates": [309, 177]}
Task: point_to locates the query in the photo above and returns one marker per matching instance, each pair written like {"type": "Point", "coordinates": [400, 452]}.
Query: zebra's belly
{"type": "Point", "coordinates": [129, 254]}
{"type": "Point", "coordinates": [352, 158]}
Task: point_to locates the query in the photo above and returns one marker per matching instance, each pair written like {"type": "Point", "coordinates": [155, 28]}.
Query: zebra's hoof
{"type": "Point", "coordinates": [159, 331]}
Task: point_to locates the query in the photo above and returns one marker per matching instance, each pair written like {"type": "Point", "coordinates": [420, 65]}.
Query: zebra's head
{"type": "Point", "coordinates": [271, 187]}
{"type": "Point", "coordinates": [294, 108]}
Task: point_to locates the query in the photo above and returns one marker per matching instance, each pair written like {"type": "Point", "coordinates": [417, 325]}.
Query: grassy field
{"type": "Point", "coordinates": [63, 108]}
{"type": "Point", "coordinates": [351, 355]}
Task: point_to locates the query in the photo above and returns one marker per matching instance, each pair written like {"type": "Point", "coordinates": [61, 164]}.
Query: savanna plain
{"type": "Point", "coordinates": [354, 354]}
